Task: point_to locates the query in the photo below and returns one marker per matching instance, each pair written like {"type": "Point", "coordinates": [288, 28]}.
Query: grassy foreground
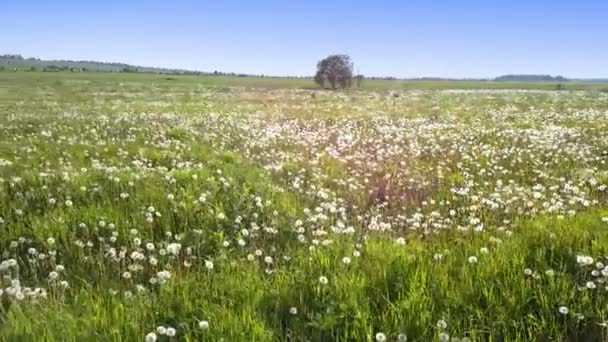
{"type": "Point", "coordinates": [139, 209]}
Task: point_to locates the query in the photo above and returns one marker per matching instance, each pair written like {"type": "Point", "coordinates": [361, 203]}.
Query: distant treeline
{"type": "Point", "coordinates": [18, 62]}
{"type": "Point", "coordinates": [531, 78]}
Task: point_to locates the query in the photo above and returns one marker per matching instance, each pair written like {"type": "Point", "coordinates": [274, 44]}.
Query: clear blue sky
{"type": "Point", "coordinates": [447, 38]}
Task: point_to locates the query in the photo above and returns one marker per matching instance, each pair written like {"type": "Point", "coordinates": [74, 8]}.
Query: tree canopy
{"type": "Point", "coordinates": [335, 71]}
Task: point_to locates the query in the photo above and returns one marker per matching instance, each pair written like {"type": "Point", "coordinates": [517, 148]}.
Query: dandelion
{"type": "Point", "coordinates": [402, 338]}
{"type": "Point", "coordinates": [170, 332]}
{"type": "Point", "coordinates": [442, 324]}
{"type": "Point", "coordinates": [161, 330]}
{"type": "Point", "coordinates": [472, 260]}
{"type": "Point", "coordinates": [208, 264]}
{"type": "Point", "coordinates": [528, 272]}
{"type": "Point", "coordinates": [203, 325]}
{"type": "Point", "coordinates": [380, 337]}
{"type": "Point", "coordinates": [563, 310]}
{"type": "Point", "coordinates": [444, 337]}
{"type": "Point", "coordinates": [293, 310]}
{"type": "Point", "coordinates": [346, 260]}
{"type": "Point", "coordinates": [323, 280]}
{"type": "Point", "coordinates": [151, 337]}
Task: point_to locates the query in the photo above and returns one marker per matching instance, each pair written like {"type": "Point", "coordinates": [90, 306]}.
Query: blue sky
{"type": "Point", "coordinates": [466, 38]}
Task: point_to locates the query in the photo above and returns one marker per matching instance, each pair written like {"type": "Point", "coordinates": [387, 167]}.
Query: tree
{"type": "Point", "coordinates": [337, 70]}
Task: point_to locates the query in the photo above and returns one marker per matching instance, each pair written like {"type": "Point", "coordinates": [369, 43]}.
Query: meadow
{"type": "Point", "coordinates": [169, 208]}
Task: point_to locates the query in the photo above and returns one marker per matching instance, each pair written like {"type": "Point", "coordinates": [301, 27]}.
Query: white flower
{"type": "Point", "coordinates": [293, 310]}
{"type": "Point", "coordinates": [443, 337]}
{"type": "Point", "coordinates": [380, 337]}
{"type": "Point", "coordinates": [472, 259]}
{"type": "Point", "coordinates": [174, 248]}
{"type": "Point", "coordinates": [208, 264]}
{"type": "Point", "coordinates": [346, 260]}
{"type": "Point", "coordinates": [171, 332]}
{"type": "Point", "coordinates": [584, 260]}
{"type": "Point", "coordinates": [151, 337]}
{"type": "Point", "coordinates": [203, 325]}
{"type": "Point", "coordinates": [402, 338]}
{"type": "Point", "coordinates": [323, 280]}
{"type": "Point", "coordinates": [528, 272]}
{"type": "Point", "coordinates": [401, 241]}
{"type": "Point", "coordinates": [590, 285]}
{"type": "Point", "coordinates": [442, 324]}
{"type": "Point", "coordinates": [563, 310]}
{"type": "Point", "coordinates": [161, 330]}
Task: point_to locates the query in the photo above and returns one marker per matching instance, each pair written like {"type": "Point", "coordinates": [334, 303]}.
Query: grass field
{"type": "Point", "coordinates": [164, 208]}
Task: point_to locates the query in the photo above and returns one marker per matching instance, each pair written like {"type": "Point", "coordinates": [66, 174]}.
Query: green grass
{"type": "Point", "coordinates": [280, 82]}
{"type": "Point", "coordinates": [388, 198]}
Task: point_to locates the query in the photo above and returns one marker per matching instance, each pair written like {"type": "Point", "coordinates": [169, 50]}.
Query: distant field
{"type": "Point", "coordinates": [270, 82]}
{"type": "Point", "coordinates": [179, 208]}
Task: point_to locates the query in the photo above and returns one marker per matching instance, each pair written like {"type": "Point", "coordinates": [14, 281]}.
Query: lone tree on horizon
{"type": "Point", "coordinates": [335, 70]}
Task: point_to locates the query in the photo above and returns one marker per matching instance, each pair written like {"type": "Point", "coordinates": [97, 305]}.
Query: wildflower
{"type": "Point", "coordinates": [472, 260]}
{"type": "Point", "coordinates": [170, 332]}
{"type": "Point", "coordinates": [380, 337]}
{"type": "Point", "coordinates": [151, 337]}
{"type": "Point", "coordinates": [203, 325]}
{"type": "Point", "coordinates": [401, 241]}
{"type": "Point", "coordinates": [402, 338]}
{"type": "Point", "coordinates": [442, 324]}
{"type": "Point", "coordinates": [293, 310]}
{"type": "Point", "coordinates": [208, 264]}
{"type": "Point", "coordinates": [563, 310]}
{"type": "Point", "coordinates": [550, 272]}
{"type": "Point", "coordinates": [346, 260]}
{"type": "Point", "coordinates": [161, 330]}
{"type": "Point", "coordinates": [443, 337]}
{"type": "Point", "coordinates": [583, 260]}
{"type": "Point", "coordinates": [323, 280]}
{"type": "Point", "coordinates": [528, 272]}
